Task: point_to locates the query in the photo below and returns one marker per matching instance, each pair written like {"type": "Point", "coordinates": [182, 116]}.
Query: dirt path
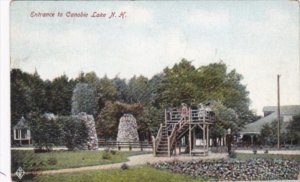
{"type": "Point", "coordinates": [133, 161]}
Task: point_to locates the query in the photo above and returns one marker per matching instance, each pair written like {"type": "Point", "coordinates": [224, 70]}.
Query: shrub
{"type": "Point", "coordinates": [40, 150]}
{"type": "Point", "coordinates": [106, 150]}
{"type": "Point", "coordinates": [266, 151]}
{"type": "Point", "coordinates": [52, 161]}
{"type": "Point", "coordinates": [124, 166]}
{"type": "Point", "coordinates": [75, 133]}
{"type": "Point", "coordinates": [28, 160]}
{"type": "Point", "coordinates": [106, 155]}
{"type": "Point", "coordinates": [232, 155]}
{"type": "Point", "coordinates": [46, 132]}
{"type": "Point", "coordinates": [113, 152]}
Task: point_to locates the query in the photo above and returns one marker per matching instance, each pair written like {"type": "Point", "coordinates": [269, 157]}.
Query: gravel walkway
{"type": "Point", "coordinates": [133, 161]}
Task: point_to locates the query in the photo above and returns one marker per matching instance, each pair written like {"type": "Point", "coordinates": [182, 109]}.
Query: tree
{"type": "Point", "coordinates": [177, 85]}
{"type": "Point", "coordinates": [60, 93]}
{"type": "Point", "coordinates": [122, 89]}
{"type": "Point", "coordinates": [213, 82]}
{"type": "Point", "coordinates": [108, 120]}
{"type": "Point", "coordinates": [37, 94]}
{"type": "Point", "coordinates": [150, 121]}
{"type": "Point", "coordinates": [153, 86]}
{"type": "Point", "coordinates": [108, 91]}
{"type": "Point", "coordinates": [46, 132]}
{"type": "Point", "coordinates": [28, 94]}
{"type": "Point", "coordinates": [75, 133]}
{"type": "Point", "coordinates": [20, 95]}
{"type": "Point", "coordinates": [138, 91]}
{"type": "Point", "coordinates": [225, 118]}
{"type": "Point", "coordinates": [268, 134]}
{"type": "Point", "coordinates": [84, 99]}
{"type": "Point", "coordinates": [293, 129]}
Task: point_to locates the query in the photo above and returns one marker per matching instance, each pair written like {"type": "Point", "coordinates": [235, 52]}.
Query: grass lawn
{"type": "Point", "coordinates": [136, 174]}
{"type": "Point", "coordinates": [31, 161]}
{"type": "Point", "coordinates": [267, 156]}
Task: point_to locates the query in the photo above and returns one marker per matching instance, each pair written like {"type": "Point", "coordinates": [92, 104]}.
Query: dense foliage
{"type": "Point", "coordinates": [48, 132]}
{"type": "Point", "coordinates": [74, 132]}
{"type": "Point", "coordinates": [84, 99]}
{"type": "Point", "coordinates": [289, 132]}
{"type": "Point", "coordinates": [146, 98]}
{"type": "Point", "coordinates": [293, 130]}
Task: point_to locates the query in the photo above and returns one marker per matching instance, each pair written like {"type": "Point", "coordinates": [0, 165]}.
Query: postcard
{"type": "Point", "coordinates": [154, 90]}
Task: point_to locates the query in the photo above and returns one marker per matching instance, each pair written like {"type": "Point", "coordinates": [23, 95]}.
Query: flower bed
{"type": "Point", "coordinates": [254, 169]}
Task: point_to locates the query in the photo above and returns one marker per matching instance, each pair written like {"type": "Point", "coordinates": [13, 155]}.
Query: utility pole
{"type": "Point", "coordinates": [278, 112]}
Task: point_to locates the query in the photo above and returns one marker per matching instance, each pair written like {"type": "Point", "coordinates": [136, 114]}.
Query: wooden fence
{"type": "Point", "coordinates": [125, 145]}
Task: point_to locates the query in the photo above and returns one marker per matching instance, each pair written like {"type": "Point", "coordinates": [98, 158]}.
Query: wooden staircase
{"type": "Point", "coordinates": [162, 147]}
{"type": "Point", "coordinates": [177, 126]}
{"type": "Point", "coordinates": [165, 143]}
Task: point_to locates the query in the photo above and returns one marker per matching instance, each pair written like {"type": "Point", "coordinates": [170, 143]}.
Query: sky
{"type": "Point", "coordinates": [257, 38]}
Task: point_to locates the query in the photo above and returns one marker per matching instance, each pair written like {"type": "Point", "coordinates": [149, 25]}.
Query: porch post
{"type": "Point", "coordinates": [207, 136]}
{"type": "Point", "coordinates": [15, 137]}
{"type": "Point", "coordinates": [20, 137]}
{"type": "Point", "coordinates": [190, 139]}
{"type": "Point", "coordinates": [203, 136]}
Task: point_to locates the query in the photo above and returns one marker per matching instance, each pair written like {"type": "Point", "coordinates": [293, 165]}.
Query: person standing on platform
{"type": "Point", "coordinates": [184, 111]}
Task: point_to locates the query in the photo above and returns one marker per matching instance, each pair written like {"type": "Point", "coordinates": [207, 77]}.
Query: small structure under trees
{"type": "Point", "coordinates": [22, 132]}
{"type": "Point", "coordinates": [183, 122]}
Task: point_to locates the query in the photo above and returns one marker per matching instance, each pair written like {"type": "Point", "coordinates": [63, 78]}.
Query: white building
{"type": "Point", "coordinates": [22, 132]}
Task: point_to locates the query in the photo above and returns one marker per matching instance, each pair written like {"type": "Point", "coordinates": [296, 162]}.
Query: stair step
{"type": "Point", "coordinates": [163, 142]}
{"type": "Point", "coordinates": [162, 149]}
{"type": "Point", "coordinates": [162, 145]}
{"type": "Point", "coordinates": [162, 152]}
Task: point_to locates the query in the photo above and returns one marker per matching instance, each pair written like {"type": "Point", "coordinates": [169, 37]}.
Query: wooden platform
{"type": "Point", "coordinates": [177, 125]}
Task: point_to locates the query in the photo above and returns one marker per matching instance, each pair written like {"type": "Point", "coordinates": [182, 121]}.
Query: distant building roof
{"type": "Point", "coordinates": [49, 116]}
{"type": "Point", "coordinates": [255, 127]}
{"type": "Point", "coordinates": [22, 124]}
{"type": "Point", "coordinates": [285, 110]}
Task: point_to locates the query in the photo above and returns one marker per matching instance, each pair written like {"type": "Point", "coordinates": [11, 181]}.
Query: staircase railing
{"type": "Point", "coordinates": [157, 139]}
{"type": "Point", "coordinates": [171, 139]}
{"type": "Point", "coordinates": [182, 123]}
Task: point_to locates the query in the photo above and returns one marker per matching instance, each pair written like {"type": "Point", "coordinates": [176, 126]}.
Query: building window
{"type": "Point", "coordinates": [24, 133]}
{"type": "Point", "coordinates": [17, 134]}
